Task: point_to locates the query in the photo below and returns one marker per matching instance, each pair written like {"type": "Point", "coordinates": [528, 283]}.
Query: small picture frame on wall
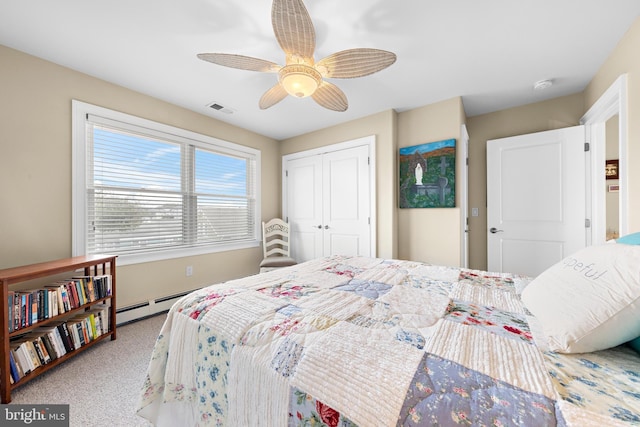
{"type": "Point", "coordinates": [613, 188]}
{"type": "Point", "coordinates": [611, 169]}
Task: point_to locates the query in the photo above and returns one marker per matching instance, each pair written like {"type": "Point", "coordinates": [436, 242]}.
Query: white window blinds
{"type": "Point", "coordinates": [149, 191]}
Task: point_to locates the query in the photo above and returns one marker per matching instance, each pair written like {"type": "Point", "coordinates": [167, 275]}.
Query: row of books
{"type": "Point", "coordinates": [47, 343]}
{"type": "Point", "coordinates": [28, 307]}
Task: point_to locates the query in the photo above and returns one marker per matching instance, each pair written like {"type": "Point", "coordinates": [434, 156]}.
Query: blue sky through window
{"type": "Point", "coordinates": [131, 161]}
{"type": "Point", "coordinates": [219, 174]}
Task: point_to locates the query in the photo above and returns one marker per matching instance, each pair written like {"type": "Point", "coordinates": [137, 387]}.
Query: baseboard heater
{"type": "Point", "coordinates": [145, 309]}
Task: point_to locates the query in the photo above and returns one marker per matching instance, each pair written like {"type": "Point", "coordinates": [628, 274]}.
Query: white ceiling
{"type": "Point", "coordinates": [490, 52]}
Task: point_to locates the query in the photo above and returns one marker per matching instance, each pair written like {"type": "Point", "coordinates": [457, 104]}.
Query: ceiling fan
{"type": "Point", "coordinates": [302, 76]}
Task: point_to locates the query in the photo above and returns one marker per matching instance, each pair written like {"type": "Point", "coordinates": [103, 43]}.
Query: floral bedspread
{"type": "Point", "coordinates": [351, 341]}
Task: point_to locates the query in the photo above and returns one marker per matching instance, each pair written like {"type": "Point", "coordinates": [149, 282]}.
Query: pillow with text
{"type": "Point", "coordinates": [590, 300]}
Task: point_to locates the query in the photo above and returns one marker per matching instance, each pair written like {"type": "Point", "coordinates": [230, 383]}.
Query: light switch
{"type": "Point", "coordinates": [474, 211]}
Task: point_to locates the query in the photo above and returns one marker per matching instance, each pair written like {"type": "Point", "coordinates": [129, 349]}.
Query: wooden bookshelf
{"type": "Point", "coordinates": [92, 265]}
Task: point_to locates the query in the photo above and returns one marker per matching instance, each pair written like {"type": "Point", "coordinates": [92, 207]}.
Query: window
{"type": "Point", "coordinates": [147, 191]}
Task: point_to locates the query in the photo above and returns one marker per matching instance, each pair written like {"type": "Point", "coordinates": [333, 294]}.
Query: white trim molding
{"type": "Point", "coordinates": [612, 102]}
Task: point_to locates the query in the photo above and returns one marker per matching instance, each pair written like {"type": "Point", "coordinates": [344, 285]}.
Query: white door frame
{"type": "Point", "coordinates": [369, 141]}
{"type": "Point", "coordinates": [612, 102]}
{"type": "Point", "coordinates": [464, 196]}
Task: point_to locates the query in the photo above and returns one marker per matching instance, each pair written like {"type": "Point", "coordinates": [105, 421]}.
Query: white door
{"type": "Point", "coordinates": [327, 203]}
{"type": "Point", "coordinates": [346, 202]}
{"type": "Point", "coordinates": [536, 187]}
{"type": "Point", "coordinates": [303, 199]}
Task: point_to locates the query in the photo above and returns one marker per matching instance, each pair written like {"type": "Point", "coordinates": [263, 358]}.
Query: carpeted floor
{"type": "Point", "coordinates": [102, 384]}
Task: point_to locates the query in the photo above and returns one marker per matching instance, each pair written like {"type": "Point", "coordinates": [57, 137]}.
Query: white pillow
{"type": "Point", "coordinates": [590, 300]}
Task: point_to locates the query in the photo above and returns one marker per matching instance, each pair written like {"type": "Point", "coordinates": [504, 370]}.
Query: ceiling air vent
{"type": "Point", "coordinates": [221, 108]}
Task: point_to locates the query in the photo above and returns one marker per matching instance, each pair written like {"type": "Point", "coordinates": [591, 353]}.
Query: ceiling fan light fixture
{"type": "Point", "coordinates": [302, 76]}
{"type": "Point", "coordinates": [542, 84]}
{"type": "Point", "coordinates": [299, 80]}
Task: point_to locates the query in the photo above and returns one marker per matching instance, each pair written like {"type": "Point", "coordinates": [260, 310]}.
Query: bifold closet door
{"type": "Point", "coordinates": [345, 202]}
{"type": "Point", "coordinates": [304, 207]}
{"type": "Point", "coordinates": [328, 204]}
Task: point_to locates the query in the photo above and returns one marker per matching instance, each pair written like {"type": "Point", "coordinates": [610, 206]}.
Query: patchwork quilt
{"type": "Point", "coordinates": [352, 341]}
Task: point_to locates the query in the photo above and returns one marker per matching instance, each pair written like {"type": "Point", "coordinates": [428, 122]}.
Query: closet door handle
{"type": "Point", "coordinates": [326, 227]}
{"type": "Point", "coordinates": [317, 226]}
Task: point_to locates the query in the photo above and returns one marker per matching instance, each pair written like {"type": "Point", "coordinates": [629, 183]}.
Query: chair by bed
{"type": "Point", "coordinates": [355, 341]}
{"type": "Point", "coordinates": [276, 248]}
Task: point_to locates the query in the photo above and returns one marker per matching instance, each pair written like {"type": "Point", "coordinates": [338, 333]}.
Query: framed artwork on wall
{"type": "Point", "coordinates": [428, 175]}
{"type": "Point", "coordinates": [611, 169]}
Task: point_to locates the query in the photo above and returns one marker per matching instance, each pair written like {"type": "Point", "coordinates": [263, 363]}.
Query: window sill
{"type": "Point", "coordinates": [131, 259]}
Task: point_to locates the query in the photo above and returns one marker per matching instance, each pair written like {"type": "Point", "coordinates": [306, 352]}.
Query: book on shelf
{"type": "Point", "coordinates": [69, 295]}
{"type": "Point", "coordinates": [15, 375]}
{"type": "Point", "coordinates": [58, 342]}
{"type": "Point", "coordinates": [49, 346]}
{"type": "Point", "coordinates": [28, 349]}
{"type": "Point", "coordinates": [67, 340]}
{"type": "Point", "coordinates": [28, 353]}
{"type": "Point", "coordinates": [61, 290]}
{"type": "Point", "coordinates": [21, 357]}
{"type": "Point", "coordinates": [96, 287]}
{"type": "Point", "coordinates": [28, 307]}
{"type": "Point", "coordinates": [57, 303]}
{"type": "Point", "coordinates": [34, 297]}
{"type": "Point", "coordinates": [89, 288]}
{"type": "Point", "coordinates": [40, 305]}
{"type": "Point", "coordinates": [16, 311]}
{"type": "Point", "coordinates": [21, 298]}
{"type": "Point", "coordinates": [104, 285]}
{"type": "Point", "coordinates": [10, 295]}
{"type": "Point", "coordinates": [47, 303]}
{"type": "Point", "coordinates": [74, 293]}
{"type": "Point", "coordinates": [101, 314]}
{"type": "Point", "coordinates": [84, 327]}
{"type": "Point", "coordinates": [82, 297]}
{"type": "Point", "coordinates": [46, 343]}
{"type": "Point", "coordinates": [52, 341]}
{"type": "Point", "coordinates": [41, 351]}
{"type": "Point", "coordinates": [61, 337]}
{"type": "Point", "coordinates": [77, 335]}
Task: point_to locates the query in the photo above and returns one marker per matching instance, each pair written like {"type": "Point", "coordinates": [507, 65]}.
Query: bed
{"type": "Point", "coordinates": [353, 341]}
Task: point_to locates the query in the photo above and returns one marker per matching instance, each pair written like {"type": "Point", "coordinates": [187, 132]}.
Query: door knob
{"type": "Point", "coordinates": [495, 230]}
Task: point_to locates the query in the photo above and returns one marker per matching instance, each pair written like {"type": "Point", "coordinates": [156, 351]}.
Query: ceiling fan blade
{"type": "Point", "coordinates": [240, 61]}
{"type": "Point", "coordinates": [293, 27]}
{"type": "Point", "coordinates": [355, 63]}
{"type": "Point", "coordinates": [330, 96]}
{"type": "Point", "coordinates": [272, 96]}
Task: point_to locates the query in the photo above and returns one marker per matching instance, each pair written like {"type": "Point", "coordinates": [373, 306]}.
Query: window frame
{"type": "Point", "coordinates": [80, 112]}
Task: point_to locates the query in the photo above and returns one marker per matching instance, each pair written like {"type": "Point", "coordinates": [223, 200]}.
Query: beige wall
{"type": "Point", "coordinates": [35, 173]}
{"type": "Point", "coordinates": [383, 126]}
{"type": "Point", "coordinates": [538, 117]}
{"type": "Point", "coordinates": [553, 114]}
{"type": "Point", "coordinates": [431, 235]}
{"type": "Point", "coordinates": [625, 59]}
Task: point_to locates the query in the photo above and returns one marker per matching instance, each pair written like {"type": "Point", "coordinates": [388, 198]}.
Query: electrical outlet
{"type": "Point", "coordinates": [189, 271]}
